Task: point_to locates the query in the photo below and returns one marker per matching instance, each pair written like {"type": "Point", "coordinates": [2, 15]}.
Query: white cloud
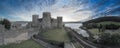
{"type": "Point", "coordinates": [58, 9]}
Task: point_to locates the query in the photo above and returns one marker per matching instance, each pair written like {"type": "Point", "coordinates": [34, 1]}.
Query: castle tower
{"type": "Point", "coordinates": [35, 20]}
{"type": "Point", "coordinates": [59, 22]}
{"type": "Point", "coordinates": [46, 21]}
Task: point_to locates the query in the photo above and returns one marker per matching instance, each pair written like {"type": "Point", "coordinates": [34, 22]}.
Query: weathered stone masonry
{"type": "Point", "coordinates": [46, 22]}
{"type": "Point", "coordinates": [18, 34]}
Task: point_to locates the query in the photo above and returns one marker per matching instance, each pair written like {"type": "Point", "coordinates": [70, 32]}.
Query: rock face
{"type": "Point", "coordinates": [46, 22]}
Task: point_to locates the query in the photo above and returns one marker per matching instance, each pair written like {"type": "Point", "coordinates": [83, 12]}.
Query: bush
{"type": "Point", "coordinates": [6, 23]}
{"type": "Point", "coordinates": [100, 26]}
{"type": "Point", "coordinates": [112, 26]}
{"type": "Point", "coordinates": [109, 39]}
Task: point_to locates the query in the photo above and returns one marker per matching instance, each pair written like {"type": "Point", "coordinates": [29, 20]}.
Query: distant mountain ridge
{"type": "Point", "coordinates": [107, 18]}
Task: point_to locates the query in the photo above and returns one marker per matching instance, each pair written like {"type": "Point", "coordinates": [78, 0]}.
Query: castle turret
{"type": "Point", "coordinates": [59, 22]}
{"type": "Point", "coordinates": [35, 20]}
{"type": "Point", "coordinates": [46, 21]}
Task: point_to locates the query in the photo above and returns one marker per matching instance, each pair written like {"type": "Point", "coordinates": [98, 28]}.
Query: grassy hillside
{"type": "Point", "coordinates": [59, 35]}
{"type": "Point", "coordinates": [109, 22]}
{"type": "Point", "coordinates": [102, 19]}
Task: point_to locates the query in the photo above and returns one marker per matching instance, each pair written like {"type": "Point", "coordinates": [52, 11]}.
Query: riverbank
{"type": "Point", "coordinates": [91, 39]}
{"type": "Point", "coordinates": [75, 36]}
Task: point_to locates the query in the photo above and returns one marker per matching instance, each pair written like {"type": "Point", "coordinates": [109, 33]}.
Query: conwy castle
{"type": "Point", "coordinates": [46, 22]}
{"type": "Point", "coordinates": [21, 31]}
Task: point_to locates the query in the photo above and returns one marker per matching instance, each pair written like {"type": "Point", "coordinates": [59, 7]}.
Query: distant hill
{"type": "Point", "coordinates": [19, 22]}
{"type": "Point", "coordinates": [102, 19]}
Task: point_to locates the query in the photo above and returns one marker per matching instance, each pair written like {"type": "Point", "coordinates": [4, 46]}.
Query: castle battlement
{"type": "Point", "coordinates": [46, 22]}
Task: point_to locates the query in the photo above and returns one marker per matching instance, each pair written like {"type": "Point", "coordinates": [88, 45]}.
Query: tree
{"type": "Point", "coordinates": [6, 23]}
{"type": "Point", "coordinates": [109, 39]}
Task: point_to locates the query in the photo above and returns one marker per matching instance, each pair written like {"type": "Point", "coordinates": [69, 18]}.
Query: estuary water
{"type": "Point", "coordinates": [76, 26]}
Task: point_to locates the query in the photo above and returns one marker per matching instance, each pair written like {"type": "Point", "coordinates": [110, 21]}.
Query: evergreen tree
{"type": "Point", "coordinates": [6, 23]}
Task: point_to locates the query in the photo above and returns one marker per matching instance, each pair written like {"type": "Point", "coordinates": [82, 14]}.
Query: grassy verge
{"type": "Point", "coordinates": [109, 22]}
{"type": "Point", "coordinates": [94, 31]}
{"type": "Point", "coordinates": [77, 45]}
{"type": "Point", "coordinates": [59, 35]}
{"type": "Point", "coordinates": [25, 44]}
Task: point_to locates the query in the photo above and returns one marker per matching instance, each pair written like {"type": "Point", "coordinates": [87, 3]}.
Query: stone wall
{"type": "Point", "coordinates": [16, 36]}
{"type": "Point", "coordinates": [54, 23]}
{"type": "Point", "coordinates": [35, 20]}
{"type": "Point", "coordinates": [46, 20]}
{"type": "Point", "coordinates": [1, 34]}
{"type": "Point", "coordinates": [43, 43]}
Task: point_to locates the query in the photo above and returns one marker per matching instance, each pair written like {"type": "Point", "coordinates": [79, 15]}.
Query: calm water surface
{"type": "Point", "coordinates": [76, 26]}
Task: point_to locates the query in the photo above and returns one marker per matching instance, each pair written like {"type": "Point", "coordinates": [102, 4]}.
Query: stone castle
{"type": "Point", "coordinates": [46, 22]}
{"type": "Point", "coordinates": [24, 30]}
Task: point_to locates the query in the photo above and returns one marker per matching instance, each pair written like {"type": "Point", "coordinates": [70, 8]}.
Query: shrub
{"type": "Point", "coordinates": [109, 39]}
{"type": "Point", "coordinates": [6, 23]}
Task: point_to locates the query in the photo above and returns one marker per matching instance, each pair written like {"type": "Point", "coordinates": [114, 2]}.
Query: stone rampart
{"type": "Point", "coordinates": [16, 36]}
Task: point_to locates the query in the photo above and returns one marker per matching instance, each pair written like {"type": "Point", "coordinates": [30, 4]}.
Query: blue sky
{"type": "Point", "coordinates": [70, 10]}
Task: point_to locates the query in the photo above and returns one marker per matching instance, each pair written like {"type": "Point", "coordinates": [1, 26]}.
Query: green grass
{"type": "Point", "coordinates": [109, 22]}
{"type": "Point", "coordinates": [77, 45]}
{"type": "Point", "coordinates": [59, 35]}
{"type": "Point", "coordinates": [25, 44]}
{"type": "Point", "coordinates": [94, 31]}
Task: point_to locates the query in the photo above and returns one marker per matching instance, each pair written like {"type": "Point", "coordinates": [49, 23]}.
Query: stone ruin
{"type": "Point", "coordinates": [46, 22]}
{"type": "Point", "coordinates": [19, 33]}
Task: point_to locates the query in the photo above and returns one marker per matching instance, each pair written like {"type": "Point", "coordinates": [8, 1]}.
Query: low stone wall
{"type": "Point", "coordinates": [45, 44]}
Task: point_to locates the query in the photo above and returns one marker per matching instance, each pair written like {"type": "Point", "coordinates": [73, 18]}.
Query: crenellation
{"type": "Point", "coordinates": [18, 33]}
{"type": "Point", "coordinates": [47, 22]}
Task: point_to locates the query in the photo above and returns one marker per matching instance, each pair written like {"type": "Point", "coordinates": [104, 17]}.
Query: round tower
{"type": "Point", "coordinates": [35, 20]}
{"type": "Point", "coordinates": [46, 21]}
{"type": "Point", "coordinates": [59, 22]}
